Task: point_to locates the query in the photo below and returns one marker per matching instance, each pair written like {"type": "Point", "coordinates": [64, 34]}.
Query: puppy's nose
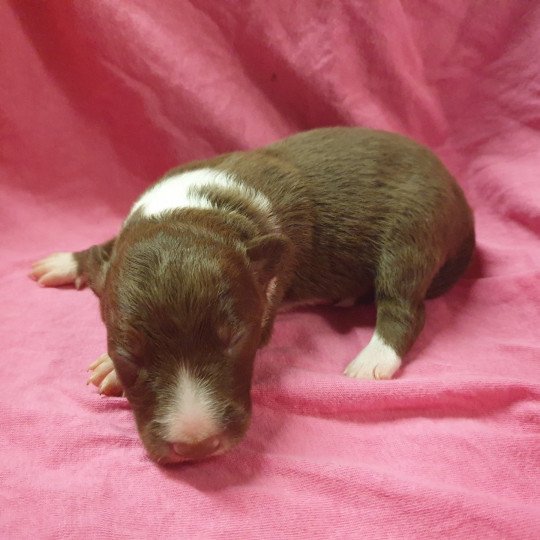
{"type": "Point", "coordinates": [199, 449]}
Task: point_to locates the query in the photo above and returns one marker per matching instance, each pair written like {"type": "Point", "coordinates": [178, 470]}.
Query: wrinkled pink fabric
{"type": "Point", "coordinates": [100, 97]}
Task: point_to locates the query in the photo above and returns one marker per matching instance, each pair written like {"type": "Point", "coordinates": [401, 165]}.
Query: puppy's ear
{"type": "Point", "coordinates": [93, 263]}
{"type": "Point", "coordinates": [267, 255]}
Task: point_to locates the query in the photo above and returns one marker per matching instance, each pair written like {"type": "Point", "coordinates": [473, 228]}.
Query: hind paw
{"type": "Point", "coordinates": [377, 361]}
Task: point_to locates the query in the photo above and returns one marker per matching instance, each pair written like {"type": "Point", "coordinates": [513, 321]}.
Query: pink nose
{"type": "Point", "coordinates": [198, 450]}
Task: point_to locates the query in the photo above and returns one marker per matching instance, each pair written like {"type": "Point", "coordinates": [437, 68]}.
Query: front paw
{"type": "Point", "coordinates": [57, 269]}
{"type": "Point", "coordinates": [103, 375]}
{"type": "Point", "coordinates": [377, 361]}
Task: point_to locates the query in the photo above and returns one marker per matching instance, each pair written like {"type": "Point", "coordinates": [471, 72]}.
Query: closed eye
{"type": "Point", "coordinates": [236, 338]}
{"type": "Point", "coordinates": [230, 336]}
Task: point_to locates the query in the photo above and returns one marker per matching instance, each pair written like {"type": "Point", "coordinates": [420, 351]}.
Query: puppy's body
{"type": "Point", "coordinates": [190, 287]}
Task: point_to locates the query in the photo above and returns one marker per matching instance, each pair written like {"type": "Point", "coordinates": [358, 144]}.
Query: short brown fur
{"type": "Point", "coordinates": [354, 211]}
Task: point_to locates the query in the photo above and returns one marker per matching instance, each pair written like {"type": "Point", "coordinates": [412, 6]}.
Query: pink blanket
{"type": "Point", "coordinates": [99, 97]}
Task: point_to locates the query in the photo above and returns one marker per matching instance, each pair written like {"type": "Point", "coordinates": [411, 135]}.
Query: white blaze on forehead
{"type": "Point", "coordinates": [182, 190]}
{"type": "Point", "coordinates": [191, 411]}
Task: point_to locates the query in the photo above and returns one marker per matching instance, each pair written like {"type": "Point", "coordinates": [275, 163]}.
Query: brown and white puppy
{"type": "Point", "coordinates": [190, 287]}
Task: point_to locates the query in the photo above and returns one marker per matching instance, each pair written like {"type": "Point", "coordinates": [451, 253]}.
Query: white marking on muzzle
{"type": "Point", "coordinates": [190, 414]}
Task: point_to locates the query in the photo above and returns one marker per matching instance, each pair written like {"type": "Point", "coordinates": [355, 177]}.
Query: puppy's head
{"type": "Point", "coordinates": [184, 316]}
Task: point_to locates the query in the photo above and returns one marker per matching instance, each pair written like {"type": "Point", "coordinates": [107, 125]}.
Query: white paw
{"type": "Point", "coordinates": [377, 361]}
{"type": "Point", "coordinates": [57, 269]}
{"type": "Point", "coordinates": [103, 375]}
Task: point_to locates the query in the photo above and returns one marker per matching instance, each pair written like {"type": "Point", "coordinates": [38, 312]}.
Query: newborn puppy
{"type": "Point", "coordinates": [190, 287]}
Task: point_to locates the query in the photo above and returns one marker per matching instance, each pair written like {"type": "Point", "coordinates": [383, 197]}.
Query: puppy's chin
{"type": "Point", "coordinates": [169, 457]}
{"type": "Point", "coordinates": [168, 452]}
{"type": "Point", "coordinates": [163, 453]}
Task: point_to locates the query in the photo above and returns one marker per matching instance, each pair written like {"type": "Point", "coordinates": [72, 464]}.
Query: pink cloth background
{"type": "Point", "coordinates": [98, 98]}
